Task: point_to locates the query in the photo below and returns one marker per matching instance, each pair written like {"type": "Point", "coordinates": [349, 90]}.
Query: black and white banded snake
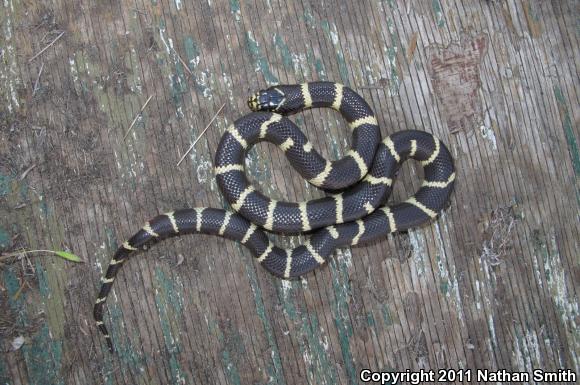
{"type": "Point", "coordinates": [356, 214]}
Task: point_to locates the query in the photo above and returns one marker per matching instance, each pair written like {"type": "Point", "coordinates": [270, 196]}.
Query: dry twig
{"type": "Point", "coordinates": [37, 79]}
{"type": "Point", "coordinates": [47, 47]}
{"type": "Point", "coordinates": [27, 171]}
{"type": "Point", "coordinates": [183, 63]}
{"type": "Point", "coordinates": [137, 117]}
{"type": "Point", "coordinates": [200, 135]}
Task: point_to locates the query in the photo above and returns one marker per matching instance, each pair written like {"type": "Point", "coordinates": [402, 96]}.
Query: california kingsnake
{"type": "Point", "coordinates": [357, 214]}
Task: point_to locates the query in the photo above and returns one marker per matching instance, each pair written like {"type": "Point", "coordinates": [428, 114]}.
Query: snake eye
{"type": "Point", "coordinates": [265, 100]}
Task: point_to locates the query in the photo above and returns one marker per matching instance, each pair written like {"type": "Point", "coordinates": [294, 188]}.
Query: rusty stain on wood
{"type": "Point", "coordinates": [532, 19]}
{"type": "Point", "coordinates": [493, 283]}
{"type": "Point", "coordinates": [456, 81]}
{"type": "Point", "coordinates": [412, 47]}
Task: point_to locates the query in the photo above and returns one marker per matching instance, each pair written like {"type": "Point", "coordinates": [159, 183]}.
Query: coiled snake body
{"type": "Point", "coordinates": [358, 213]}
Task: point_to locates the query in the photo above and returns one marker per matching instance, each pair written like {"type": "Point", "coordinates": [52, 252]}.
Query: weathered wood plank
{"type": "Point", "coordinates": [493, 283]}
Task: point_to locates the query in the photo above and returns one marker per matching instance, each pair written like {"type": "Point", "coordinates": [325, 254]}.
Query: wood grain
{"type": "Point", "coordinates": [493, 283]}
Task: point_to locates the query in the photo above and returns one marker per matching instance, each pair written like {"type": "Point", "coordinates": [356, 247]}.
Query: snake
{"type": "Point", "coordinates": [354, 211]}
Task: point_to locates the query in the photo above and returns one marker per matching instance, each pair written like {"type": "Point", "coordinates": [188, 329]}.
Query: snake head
{"type": "Point", "coordinates": [267, 100]}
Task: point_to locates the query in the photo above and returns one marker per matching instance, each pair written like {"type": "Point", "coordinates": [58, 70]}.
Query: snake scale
{"type": "Point", "coordinates": [361, 183]}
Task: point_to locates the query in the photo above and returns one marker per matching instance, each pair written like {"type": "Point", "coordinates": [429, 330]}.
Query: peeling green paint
{"type": "Point", "coordinates": [571, 139]}
{"type": "Point", "coordinates": [275, 369]}
{"type": "Point", "coordinates": [532, 12]}
{"type": "Point", "coordinates": [173, 287]}
{"type": "Point", "coordinates": [386, 313]}
{"type": "Point", "coordinates": [370, 320]}
{"type": "Point", "coordinates": [391, 3]}
{"type": "Point", "coordinates": [51, 273]}
{"type": "Point", "coordinates": [308, 18]}
{"type": "Point", "coordinates": [48, 275]}
{"type": "Point", "coordinates": [18, 308]}
{"type": "Point", "coordinates": [169, 301]}
{"type": "Point", "coordinates": [191, 52]}
{"type": "Point", "coordinates": [392, 52]}
{"type": "Point", "coordinates": [447, 283]}
{"type": "Point", "coordinates": [313, 343]}
{"type": "Point", "coordinates": [43, 208]}
{"type": "Point", "coordinates": [444, 286]}
{"type": "Point", "coordinates": [4, 376]}
{"type": "Point", "coordinates": [112, 243]}
{"type": "Point", "coordinates": [178, 85]}
{"type": "Point", "coordinates": [332, 34]}
{"type": "Point", "coordinates": [285, 290]}
{"type": "Point", "coordinates": [568, 130]}
{"type": "Point", "coordinates": [438, 10]}
{"type": "Point", "coordinates": [320, 369]}
{"type": "Point", "coordinates": [236, 9]}
{"type": "Point", "coordinates": [6, 184]}
{"type": "Point", "coordinates": [12, 285]}
{"type": "Point", "coordinates": [491, 330]}
{"type": "Point", "coordinates": [259, 59]}
{"type": "Point", "coordinates": [556, 278]}
{"type": "Point", "coordinates": [284, 51]}
{"type": "Point", "coordinates": [203, 80]}
{"type": "Point", "coordinates": [231, 369]}
{"type": "Point", "coordinates": [42, 353]}
{"type": "Point", "coordinates": [5, 241]}
{"type": "Point", "coordinates": [394, 80]}
{"type": "Point", "coordinates": [43, 358]}
{"type": "Point", "coordinates": [178, 82]}
{"type": "Point", "coordinates": [131, 356]}
{"type": "Point", "coordinates": [299, 120]}
{"type": "Point", "coordinates": [522, 354]}
{"type": "Point", "coordinates": [447, 271]}
{"type": "Point", "coordinates": [340, 310]}
{"type": "Point", "coordinates": [316, 63]}
{"type": "Point", "coordinates": [226, 355]}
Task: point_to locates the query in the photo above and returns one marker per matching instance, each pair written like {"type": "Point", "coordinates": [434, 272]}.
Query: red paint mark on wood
{"type": "Point", "coordinates": [454, 71]}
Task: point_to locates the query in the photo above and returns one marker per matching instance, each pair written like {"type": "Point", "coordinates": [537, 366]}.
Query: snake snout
{"type": "Point", "coordinates": [253, 102]}
{"type": "Point", "coordinates": [266, 100]}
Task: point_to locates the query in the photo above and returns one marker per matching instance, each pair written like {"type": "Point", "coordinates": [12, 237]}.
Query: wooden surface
{"type": "Point", "coordinates": [491, 284]}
